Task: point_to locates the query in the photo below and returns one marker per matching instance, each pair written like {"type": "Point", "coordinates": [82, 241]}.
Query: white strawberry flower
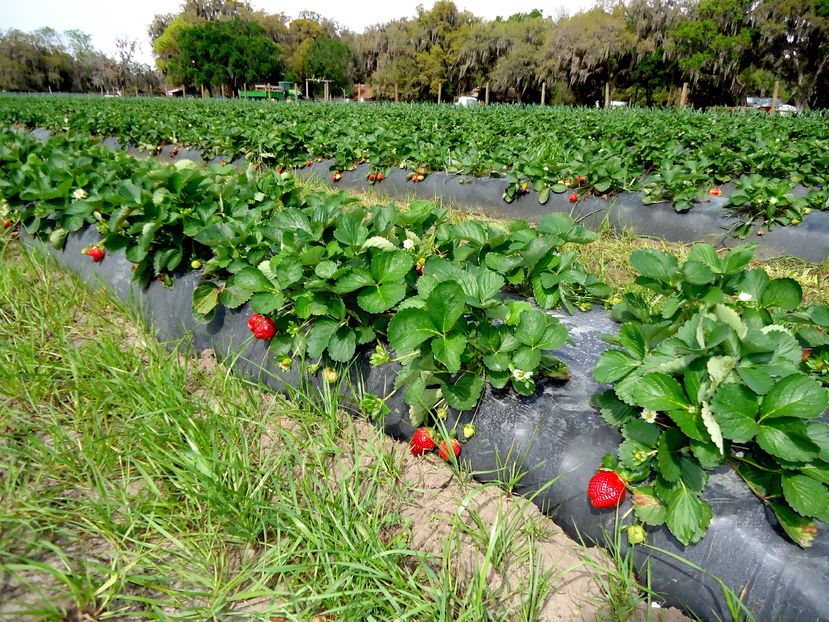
{"type": "Point", "coordinates": [744, 296]}
{"type": "Point", "coordinates": [739, 454]}
{"type": "Point", "coordinates": [649, 415]}
{"type": "Point", "coordinates": [79, 194]}
{"type": "Point", "coordinates": [521, 375]}
{"type": "Point", "coordinates": [407, 243]}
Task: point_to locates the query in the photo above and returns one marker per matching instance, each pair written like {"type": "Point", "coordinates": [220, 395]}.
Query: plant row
{"type": "Point", "coordinates": [674, 157]}
{"type": "Point", "coordinates": [720, 364]}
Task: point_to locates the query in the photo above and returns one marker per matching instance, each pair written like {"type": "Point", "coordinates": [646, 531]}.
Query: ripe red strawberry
{"type": "Point", "coordinates": [279, 170]}
{"type": "Point", "coordinates": [380, 176]}
{"type": "Point", "coordinates": [308, 163]}
{"type": "Point", "coordinates": [422, 442]}
{"type": "Point", "coordinates": [807, 352]}
{"type": "Point", "coordinates": [96, 253]}
{"type": "Point", "coordinates": [573, 197]}
{"type": "Point", "coordinates": [443, 448]}
{"type": "Point", "coordinates": [253, 321]}
{"type": "Point", "coordinates": [606, 489]}
{"type": "Point", "coordinates": [6, 223]}
{"type": "Point", "coordinates": [372, 176]}
{"type": "Point", "coordinates": [580, 179]}
{"type": "Point", "coordinates": [265, 329]}
{"type": "Point", "coordinates": [715, 192]}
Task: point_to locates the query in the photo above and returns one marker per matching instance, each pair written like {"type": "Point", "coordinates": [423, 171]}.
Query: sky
{"type": "Point", "coordinates": [108, 20]}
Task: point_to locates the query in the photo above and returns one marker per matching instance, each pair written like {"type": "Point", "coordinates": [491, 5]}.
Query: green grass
{"type": "Point", "coordinates": [137, 484]}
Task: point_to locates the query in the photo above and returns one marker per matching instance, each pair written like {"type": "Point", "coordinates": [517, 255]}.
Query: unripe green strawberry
{"type": "Point", "coordinates": [636, 534]}
{"type": "Point", "coordinates": [195, 264]}
{"type": "Point", "coordinates": [330, 375]}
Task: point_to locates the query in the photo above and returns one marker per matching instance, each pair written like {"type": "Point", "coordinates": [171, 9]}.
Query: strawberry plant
{"type": "Point", "coordinates": [711, 374]}
{"type": "Point", "coordinates": [768, 202]}
{"type": "Point", "coordinates": [546, 148]}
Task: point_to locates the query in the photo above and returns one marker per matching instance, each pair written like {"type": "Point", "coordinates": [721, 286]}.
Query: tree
{"type": "Point", "coordinates": [220, 53]}
{"type": "Point", "coordinates": [796, 38]}
{"type": "Point", "coordinates": [328, 59]}
{"type": "Point", "coordinates": [715, 45]}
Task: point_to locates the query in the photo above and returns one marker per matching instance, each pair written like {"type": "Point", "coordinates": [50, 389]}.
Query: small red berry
{"type": "Point", "coordinates": [308, 163]}
{"type": "Point", "coordinates": [265, 329]}
{"type": "Point", "coordinates": [6, 223]}
{"type": "Point", "coordinates": [371, 177]}
{"type": "Point", "coordinates": [580, 179]}
{"type": "Point", "coordinates": [96, 253]}
{"type": "Point", "coordinates": [279, 170]}
{"type": "Point", "coordinates": [443, 448]}
{"type": "Point", "coordinates": [253, 321]}
{"type": "Point", "coordinates": [715, 192]}
{"type": "Point", "coordinates": [422, 442]}
{"type": "Point", "coordinates": [606, 489]}
{"type": "Point", "coordinates": [807, 352]}
{"type": "Point", "coordinates": [573, 197]}
{"type": "Point", "coordinates": [380, 176]}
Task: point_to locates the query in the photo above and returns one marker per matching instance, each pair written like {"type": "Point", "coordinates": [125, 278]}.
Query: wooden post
{"type": "Point", "coordinates": [683, 97]}
{"type": "Point", "coordinates": [543, 92]}
{"type": "Point", "coordinates": [396, 92]}
{"type": "Point", "coordinates": [440, 90]}
{"type": "Point", "coordinates": [202, 91]}
{"type": "Point", "coordinates": [607, 95]}
{"type": "Point", "coordinates": [359, 91]}
{"type": "Point", "coordinates": [326, 90]}
{"type": "Point", "coordinates": [486, 96]}
{"type": "Point", "coordinates": [774, 96]}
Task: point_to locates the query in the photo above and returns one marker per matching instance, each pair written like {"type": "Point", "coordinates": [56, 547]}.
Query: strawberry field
{"type": "Point", "coordinates": [674, 157]}
{"type": "Point", "coordinates": [716, 364]}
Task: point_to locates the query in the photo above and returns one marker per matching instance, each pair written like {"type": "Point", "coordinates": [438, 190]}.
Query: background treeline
{"type": "Point", "coordinates": [643, 50]}
{"type": "Point", "coordinates": [47, 60]}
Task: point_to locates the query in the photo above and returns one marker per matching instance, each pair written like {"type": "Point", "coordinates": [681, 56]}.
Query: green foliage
{"type": "Point", "coordinates": [230, 52]}
{"type": "Point", "coordinates": [715, 372]}
{"type": "Point", "coordinates": [328, 59]}
{"type": "Point", "coordinates": [669, 156]}
{"type": "Point", "coordinates": [333, 274]}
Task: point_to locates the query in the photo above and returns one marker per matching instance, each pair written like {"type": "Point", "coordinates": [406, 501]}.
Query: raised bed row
{"type": "Point", "coordinates": [709, 221]}
{"type": "Point", "coordinates": [553, 435]}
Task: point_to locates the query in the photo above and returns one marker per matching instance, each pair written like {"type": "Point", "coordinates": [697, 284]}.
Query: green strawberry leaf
{"type": "Point", "coordinates": [445, 305]}
{"type": "Point", "coordinates": [798, 396]}
{"type": "Point", "coordinates": [735, 408]}
{"type": "Point", "coordinates": [687, 515]}
{"type": "Point", "coordinates": [464, 393]}
{"type": "Point", "coordinates": [342, 344]}
{"type": "Point", "coordinates": [381, 298]}
{"type": "Point", "coordinates": [807, 496]}
{"type": "Point", "coordinates": [409, 328]}
{"type": "Point", "coordinates": [788, 439]}
{"type": "Point", "coordinates": [613, 365]}
{"type": "Point", "coordinates": [660, 392]}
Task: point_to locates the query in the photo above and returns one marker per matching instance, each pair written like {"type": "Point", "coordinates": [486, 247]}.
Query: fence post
{"type": "Point", "coordinates": [486, 100]}
{"type": "Point", "coordinates": [543, 92]}
{"type": "Point", "coordinates": [607, 95]}
{"type": "Point", "coordinates": [440, 90]}
{"type": "Point", "coordinates": [774, 97]}
{"type": "Point", "coordinates": [396, 92]}
{"type": "Point", "coordinates": [683, 97]}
